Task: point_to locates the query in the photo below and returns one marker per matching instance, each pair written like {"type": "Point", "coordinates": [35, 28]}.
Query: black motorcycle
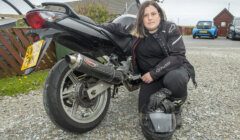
{"type": "Point", "coordinates": [78, 88]}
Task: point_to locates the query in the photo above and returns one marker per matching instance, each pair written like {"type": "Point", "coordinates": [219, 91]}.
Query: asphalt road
{"type": "Point", "coordinates": [220, 42]}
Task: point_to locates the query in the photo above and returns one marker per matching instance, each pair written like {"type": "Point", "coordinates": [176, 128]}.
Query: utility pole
{"type": "Point", "coordinates": [229, 6]}
{"type": "Point", "coordinates": [126, 6]}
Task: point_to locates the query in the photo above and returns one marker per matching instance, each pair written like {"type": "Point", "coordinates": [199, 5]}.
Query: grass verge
{"type": "Point", "coordinates": [13, 86]}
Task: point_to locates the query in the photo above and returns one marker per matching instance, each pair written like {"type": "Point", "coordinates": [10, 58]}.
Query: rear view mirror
{"type": "Point", "coordinates": [231, 27]}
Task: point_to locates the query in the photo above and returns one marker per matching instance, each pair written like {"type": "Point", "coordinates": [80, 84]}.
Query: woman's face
{"type": "Point", "coordinates": [151, 19]}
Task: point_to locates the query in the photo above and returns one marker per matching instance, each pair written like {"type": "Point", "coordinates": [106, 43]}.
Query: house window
{"type": "Point", "coordinates": [223, 24]}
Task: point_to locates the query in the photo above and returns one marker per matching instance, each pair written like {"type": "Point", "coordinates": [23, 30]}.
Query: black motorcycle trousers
{"type": "Point", "coordinates": [176, 81]}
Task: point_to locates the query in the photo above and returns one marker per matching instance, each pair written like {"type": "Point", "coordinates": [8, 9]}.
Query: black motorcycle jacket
{"type": "Point", "coordinates": [171, 43]}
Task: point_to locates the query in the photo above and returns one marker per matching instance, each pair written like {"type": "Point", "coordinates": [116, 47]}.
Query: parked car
{"type": "Point", "coordinates": [234, 29]}
{"type": "Point", "coordinates": [205, 29]}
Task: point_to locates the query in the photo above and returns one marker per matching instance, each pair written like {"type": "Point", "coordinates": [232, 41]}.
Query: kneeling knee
{"type": "Point", "coordinates": [175, 78]}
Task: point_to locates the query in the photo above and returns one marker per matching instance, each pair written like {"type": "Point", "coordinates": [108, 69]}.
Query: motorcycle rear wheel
{"type": "Point", "coordinates": [66, 102]}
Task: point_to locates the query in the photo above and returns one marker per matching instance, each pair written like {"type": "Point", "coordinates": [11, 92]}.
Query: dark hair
{"type": "Point", "coordinates": [139, 29]}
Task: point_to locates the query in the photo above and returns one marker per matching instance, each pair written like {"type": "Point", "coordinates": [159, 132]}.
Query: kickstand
{"type": "Point", "coordinates": [115, 91]}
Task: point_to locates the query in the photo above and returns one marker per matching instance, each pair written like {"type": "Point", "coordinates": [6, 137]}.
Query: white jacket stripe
{"type": "Point", "coordinates": [176, 40]}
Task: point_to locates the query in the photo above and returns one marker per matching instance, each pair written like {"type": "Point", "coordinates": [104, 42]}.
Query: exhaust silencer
{"type": "Point", "coordinates": [93, 68]}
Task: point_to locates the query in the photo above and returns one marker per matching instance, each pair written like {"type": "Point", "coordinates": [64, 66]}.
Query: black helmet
{"type": "Point", "coordinates": [159, 122]}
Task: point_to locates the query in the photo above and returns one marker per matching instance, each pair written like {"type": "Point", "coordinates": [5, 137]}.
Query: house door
{"type": "Point", "coordinates": [222, 29]}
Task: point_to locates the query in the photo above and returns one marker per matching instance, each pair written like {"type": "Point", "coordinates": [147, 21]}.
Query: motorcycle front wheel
{"type": "Point", "coordinates": [66, 102]}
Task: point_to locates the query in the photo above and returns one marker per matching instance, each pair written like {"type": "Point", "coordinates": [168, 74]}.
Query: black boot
{"type": "Point", "coordinates": [178, 110]}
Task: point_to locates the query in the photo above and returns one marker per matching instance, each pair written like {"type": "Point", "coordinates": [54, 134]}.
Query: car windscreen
{"type": "Point", "coordinates": [237, 22]}
{"type": "Point", "coordinates": [204, 25]}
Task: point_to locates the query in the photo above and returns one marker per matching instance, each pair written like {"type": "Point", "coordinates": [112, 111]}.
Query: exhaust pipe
{"type": "Point", "coordinates": [93, 68]}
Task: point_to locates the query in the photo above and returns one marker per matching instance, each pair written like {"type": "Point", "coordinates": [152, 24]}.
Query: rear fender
{"type": "Point", "coordinates": [44, 33]}
{"type": "Point", "coordinates": [47, 35]}
{"type": "Point", "coordinates": [42, 53]}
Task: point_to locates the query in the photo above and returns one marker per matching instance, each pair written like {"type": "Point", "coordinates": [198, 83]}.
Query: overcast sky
{"type": "Point", "coordinates": [182, 12]}
{"type": "Point", "coordinates": [188, 12]}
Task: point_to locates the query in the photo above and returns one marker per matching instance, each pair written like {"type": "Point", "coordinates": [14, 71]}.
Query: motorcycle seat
{"type": "Point", "coordinates": [86, 19]}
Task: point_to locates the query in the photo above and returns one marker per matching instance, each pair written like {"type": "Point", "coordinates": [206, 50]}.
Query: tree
{"type": "Point", "coordinates": [95, 11]}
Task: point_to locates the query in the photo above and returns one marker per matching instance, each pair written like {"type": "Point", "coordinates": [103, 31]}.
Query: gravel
{"type": "Point", "coordinates": [212, 111]}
